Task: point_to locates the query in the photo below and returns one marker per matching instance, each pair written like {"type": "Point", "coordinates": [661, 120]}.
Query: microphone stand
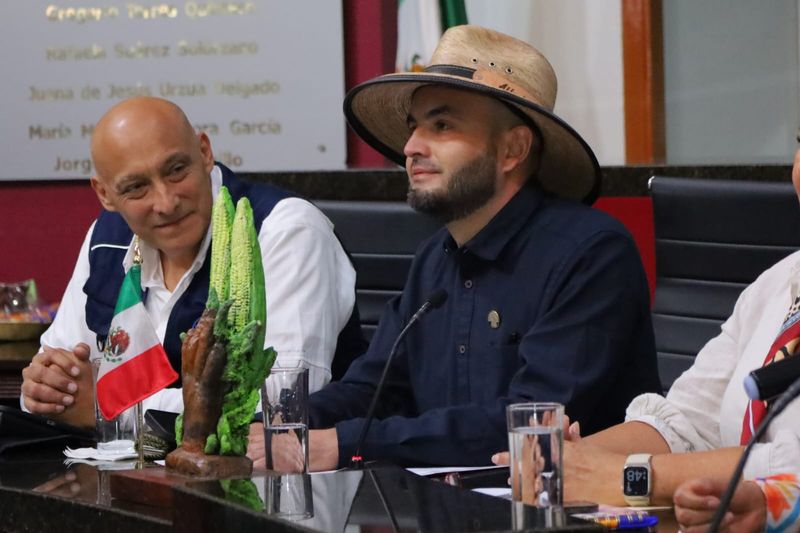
{"type": "Point", "coordinates": [779, 405]}
{"type": "Point", "coordinates": [357, 461]}
{"type": "Point", "coordinates": [435, 301]}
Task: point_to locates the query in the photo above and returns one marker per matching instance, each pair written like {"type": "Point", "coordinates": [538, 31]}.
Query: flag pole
{"type": "Point", "coordinates": [138, 431]}
{"type": "Point", "coordinates": [138, 418]}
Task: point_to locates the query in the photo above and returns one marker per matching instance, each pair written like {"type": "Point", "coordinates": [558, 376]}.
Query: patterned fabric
{"type": "Point", "coordinates": [784, 346]}
{"type": "Point", "coordinates": [782, 494]}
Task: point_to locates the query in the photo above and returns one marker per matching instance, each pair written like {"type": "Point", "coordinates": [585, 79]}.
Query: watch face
{"type": "Point", "coordinates": [635, 481]}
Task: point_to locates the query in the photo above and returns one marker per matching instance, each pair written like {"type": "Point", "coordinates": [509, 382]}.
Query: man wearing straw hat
{"type": "Point", "coordinates": [547, 298]}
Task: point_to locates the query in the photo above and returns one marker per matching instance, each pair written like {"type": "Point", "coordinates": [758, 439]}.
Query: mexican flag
{"type": "Point", "coordinates": [420, 24]}
{"type": "Point", "coordinates": [134, 364]}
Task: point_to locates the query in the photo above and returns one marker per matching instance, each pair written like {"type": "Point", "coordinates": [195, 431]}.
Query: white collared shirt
{"type": "Point", "coordinates": [309, 282]}
{"type": "Point", "coordinates": [703, 409]}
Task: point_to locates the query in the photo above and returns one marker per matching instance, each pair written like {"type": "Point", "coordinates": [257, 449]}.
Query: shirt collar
{"type": "Point", "coordinates": [152, 276]}
{"type": "Point", "coordinates": [493, 238]}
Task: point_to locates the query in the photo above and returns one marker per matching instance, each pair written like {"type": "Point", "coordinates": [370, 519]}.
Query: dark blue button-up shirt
{"type": "Point", "coordinates": [548, 302]}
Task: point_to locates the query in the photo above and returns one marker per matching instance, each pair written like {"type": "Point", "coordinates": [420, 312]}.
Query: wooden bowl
{"type": "Point", "coordinates": [21, 331]}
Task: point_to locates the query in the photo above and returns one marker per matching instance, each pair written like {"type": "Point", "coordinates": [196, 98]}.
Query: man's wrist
{"type": "Point", "coordinates": [323, 449]}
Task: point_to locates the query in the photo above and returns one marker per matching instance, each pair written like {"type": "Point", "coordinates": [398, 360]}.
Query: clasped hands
{"type": "Point", "coordinates": [58, 384]}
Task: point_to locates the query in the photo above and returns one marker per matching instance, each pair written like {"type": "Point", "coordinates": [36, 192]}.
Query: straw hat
{"type": "Point", "coordinates": [490, 63]}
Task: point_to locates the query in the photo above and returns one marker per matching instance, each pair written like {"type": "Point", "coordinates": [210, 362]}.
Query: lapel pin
{"type": "Point", "coordinates": [494, 319]}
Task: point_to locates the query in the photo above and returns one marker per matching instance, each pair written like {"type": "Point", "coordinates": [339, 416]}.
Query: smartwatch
{"type": "Point", "coordinates": [637, 479]}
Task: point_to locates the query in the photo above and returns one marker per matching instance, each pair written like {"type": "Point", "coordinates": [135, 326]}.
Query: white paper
{"type": "Point", "coordinates": [98, 455]}
{"type": "Point", "coordinates": [497, 492]}
{"type": "Point", "coordinates": [432, 471]}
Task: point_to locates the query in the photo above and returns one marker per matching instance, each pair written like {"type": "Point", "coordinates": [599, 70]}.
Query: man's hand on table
{"type": "Point", "coordinates": [287, 456]}
{"type": "Point", "coordinates": [697, 500]}
{"type": "Point", "coordinates": [323, 450]}
{"type": "Point", "coordinates": [58, 384]}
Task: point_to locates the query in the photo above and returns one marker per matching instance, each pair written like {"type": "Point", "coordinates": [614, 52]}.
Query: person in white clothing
{"type": "Point", "coordinates": [696, 431]}
{"type": "Point", "coordinates": [157, 179]}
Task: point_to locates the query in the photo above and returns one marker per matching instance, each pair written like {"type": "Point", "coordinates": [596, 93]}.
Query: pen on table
{"type": "Point", "coordinates": [625, 520]}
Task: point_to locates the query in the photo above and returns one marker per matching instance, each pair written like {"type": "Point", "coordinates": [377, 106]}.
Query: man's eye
{"type": "Point", "coordinates": [442, 126]}
{"type": "Point", "coordinates": [134, 189]}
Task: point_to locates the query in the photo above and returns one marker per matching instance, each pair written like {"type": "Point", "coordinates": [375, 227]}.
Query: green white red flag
{"type": "Point", "coordinates": [420, 24]}
{"type": "Point", "coordinates": [134, 365]}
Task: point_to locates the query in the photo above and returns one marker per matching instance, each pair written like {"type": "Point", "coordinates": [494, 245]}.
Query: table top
{"type": "Point", "coordinates": [38, 491]}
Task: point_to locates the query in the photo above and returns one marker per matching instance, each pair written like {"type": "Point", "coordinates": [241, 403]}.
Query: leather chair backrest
{"type": "Point", "coordinates": [712, 238]}
{"type": "Point", "coordinates": [381, 238]}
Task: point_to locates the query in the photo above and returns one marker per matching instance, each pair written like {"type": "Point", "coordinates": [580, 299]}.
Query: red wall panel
{"type": "Point", "coordinates": [42, 225]}
{"type": "Point", "coordinates": [636, 213]}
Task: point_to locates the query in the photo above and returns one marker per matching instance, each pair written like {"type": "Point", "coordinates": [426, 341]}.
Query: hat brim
{"type": "Point", "coordinates": [378, 112]}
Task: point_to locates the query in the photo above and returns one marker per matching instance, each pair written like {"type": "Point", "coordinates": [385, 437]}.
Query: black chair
{"type": "Point", "coordinates": [713, 238]}
{"type": "Point", "coordinates": [381, 238]}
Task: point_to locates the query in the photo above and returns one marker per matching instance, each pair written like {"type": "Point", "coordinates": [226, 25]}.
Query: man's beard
{"type": "Point", "coordinates": [469, 188]}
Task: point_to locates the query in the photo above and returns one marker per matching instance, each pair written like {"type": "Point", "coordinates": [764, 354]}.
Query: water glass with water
{"type": "Point", "coordinates": [536, 443]}
{"type": "Point", "coordinates": [116, 435]}
{"type": "Point", "coordinates": [284, 398]}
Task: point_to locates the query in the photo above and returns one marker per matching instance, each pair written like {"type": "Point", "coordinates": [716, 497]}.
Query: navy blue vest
{"type": "Point", "coordinates": [106, 273]}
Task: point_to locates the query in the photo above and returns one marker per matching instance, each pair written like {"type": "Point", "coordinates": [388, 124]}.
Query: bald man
{"type": "Point", "coordinates": [156, 178]}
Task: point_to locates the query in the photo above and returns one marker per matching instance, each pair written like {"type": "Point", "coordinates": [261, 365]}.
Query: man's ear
{"type": "Point", "coordinates": [518, 144]}
{"type": "Point", "coordinates": [102, 193]}
{"type": "Point", "coordinates": [206, 151]}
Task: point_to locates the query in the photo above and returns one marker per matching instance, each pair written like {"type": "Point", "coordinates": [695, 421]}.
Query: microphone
{"type": "Point", "coordinates": [433, 302]}
{"type": "Point", "coordinates": [780, 404]}
{"type": "Point", "coordinates": [771, 380]}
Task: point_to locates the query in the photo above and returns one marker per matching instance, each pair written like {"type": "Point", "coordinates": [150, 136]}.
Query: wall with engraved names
{"type": "Point", "coordinates": [263, 78]}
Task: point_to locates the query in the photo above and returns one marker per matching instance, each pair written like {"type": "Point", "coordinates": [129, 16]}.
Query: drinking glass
{"type": "Point", "coordinates": [284, 398]}
{"type": "Point", "coordinates": [536, 443]}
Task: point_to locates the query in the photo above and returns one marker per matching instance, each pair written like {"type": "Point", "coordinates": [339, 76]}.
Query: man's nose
{"type": "Point", "coordinates": [166, 201]}
{"type": "Point", "coordinates": [416, 145]}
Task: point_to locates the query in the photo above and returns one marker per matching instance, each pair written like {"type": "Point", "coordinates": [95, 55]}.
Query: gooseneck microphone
{"type": "Point", "coordinates": [775, 409]}
{"type": "Point", "coordinates": [433, 302]}
{"type": "Point", "coordinates": [771, 380]}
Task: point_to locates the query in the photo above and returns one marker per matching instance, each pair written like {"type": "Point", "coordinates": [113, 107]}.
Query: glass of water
{"type": "Point", "coordinates": [536, 443]}
{"type": "Point", "coordinates": [284, 398]}
{"type": "Point", "coordinates": [115, 435]}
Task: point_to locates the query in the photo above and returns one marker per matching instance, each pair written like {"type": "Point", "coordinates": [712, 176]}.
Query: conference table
{"type": "Point", "coordinates": [40, 491]}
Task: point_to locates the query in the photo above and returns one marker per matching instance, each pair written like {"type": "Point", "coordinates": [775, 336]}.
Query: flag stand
{"type": "Point", "coordinates": [138, 431]}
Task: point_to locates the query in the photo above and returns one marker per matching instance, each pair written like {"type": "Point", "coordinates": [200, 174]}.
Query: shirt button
{"type": "Point", "coordinates": [462, 349]}
{"type": "Point", "coordinates": [468, 284]}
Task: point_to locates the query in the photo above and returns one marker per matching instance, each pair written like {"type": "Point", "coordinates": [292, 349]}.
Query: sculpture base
{"type": "Point", "coordinates": [214, 466]}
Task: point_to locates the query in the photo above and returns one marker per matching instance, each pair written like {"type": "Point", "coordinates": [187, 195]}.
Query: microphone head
{"type": "Point", "coordinates": [751, 387]}
{"type": "Point", "coordinates": [438, 298]}
{"type": "Point", "coordinates": [773, 379]}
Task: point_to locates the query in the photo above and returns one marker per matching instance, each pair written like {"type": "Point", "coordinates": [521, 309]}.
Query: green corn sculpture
{"type": "Point", "coordinates": [237, 275]}
{"type": "Point", "coordinates": [221, 225]}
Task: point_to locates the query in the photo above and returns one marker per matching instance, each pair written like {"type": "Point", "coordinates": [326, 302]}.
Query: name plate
{"type": "Point", "coordinates": [263, 78]}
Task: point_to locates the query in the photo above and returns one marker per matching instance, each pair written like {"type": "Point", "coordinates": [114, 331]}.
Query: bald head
{"type": "Point", "coordinates": [155, 171]}
{"type": "Point", "coordinates": [126, 122]}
